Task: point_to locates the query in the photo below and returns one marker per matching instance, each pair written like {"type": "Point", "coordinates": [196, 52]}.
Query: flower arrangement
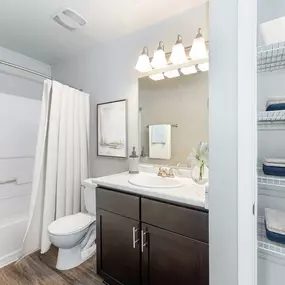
{"type": "Point", "coordinates": [199, 157]}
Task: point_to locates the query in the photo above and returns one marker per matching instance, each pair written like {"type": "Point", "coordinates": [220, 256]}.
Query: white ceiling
{"type": "Point", "coordinates": [26, 25]}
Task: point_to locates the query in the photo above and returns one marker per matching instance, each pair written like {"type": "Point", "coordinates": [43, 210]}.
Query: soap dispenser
{"type": "Point", "coordinates": [134, 162]}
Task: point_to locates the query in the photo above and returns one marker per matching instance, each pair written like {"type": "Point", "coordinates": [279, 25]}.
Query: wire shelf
{"type": "Point", "coordinates": [271, 120]}
{"type": "Point", "coordinates": [266, 245]}
{"type": "Point", "coordinates": [268, 180]}
{"type": "Point", "coordinates": [271, 57]}
{"type": "Point", "coordinates": [271, 116]}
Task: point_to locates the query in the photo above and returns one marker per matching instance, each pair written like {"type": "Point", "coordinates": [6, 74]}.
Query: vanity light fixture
{"type": "Point", "coordinates": [178, 55]}
{"type": "Point", "coordinates": [203, 66]}
{"type": "Point", "coordinates": [199, 49]}
{"type": "Point", "coordinates": [172, 73]}
{"type": "Point", "coordinates": [189, 70]}
{"type": "Point", "coordinates": [159, 59]}
{"type": "Point", "coordinates": [157, 77]}
{"type": "Point", "coordinates": [143, 64]}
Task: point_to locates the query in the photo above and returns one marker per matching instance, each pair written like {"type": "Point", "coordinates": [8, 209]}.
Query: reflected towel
{"type": "Point", "coordinates": [159, 147]}
{"type": "Point", "coordinates": [158, 133]}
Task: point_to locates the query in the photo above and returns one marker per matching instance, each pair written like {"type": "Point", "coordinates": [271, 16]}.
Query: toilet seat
{"type": "Point", "coordinates": [70, 224]}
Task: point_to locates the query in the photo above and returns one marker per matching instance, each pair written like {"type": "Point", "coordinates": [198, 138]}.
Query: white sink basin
{"type": "Point", "coordinates": [153, 181]}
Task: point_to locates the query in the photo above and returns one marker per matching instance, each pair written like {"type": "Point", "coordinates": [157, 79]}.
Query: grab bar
{"type": "Point", "coordinates": [8, 181]}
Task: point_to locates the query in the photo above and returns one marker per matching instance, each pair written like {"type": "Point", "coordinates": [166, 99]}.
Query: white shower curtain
{"type": "Point", "coordinates": [61, 162]}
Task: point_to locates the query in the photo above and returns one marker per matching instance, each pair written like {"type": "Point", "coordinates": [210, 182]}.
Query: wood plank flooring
{"type": "Point", "coordinates": [39, 269]}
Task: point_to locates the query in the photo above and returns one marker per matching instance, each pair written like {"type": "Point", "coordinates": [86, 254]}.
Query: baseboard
{"type": "Point", "coordinates": [13, 257]}
{"type": "Point", "coordinates": [9, 258]}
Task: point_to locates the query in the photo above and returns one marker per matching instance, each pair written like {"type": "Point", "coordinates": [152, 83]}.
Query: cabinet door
{"type": "Point", "coordinates": [169, 258]}
{"type": "Point", "coordinates": [118, 249]}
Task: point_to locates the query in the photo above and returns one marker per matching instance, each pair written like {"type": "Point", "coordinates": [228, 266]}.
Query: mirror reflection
{"type": "Point", "coordinates": [173, 117]}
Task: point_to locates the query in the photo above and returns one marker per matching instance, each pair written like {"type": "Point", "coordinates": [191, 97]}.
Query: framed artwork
{"type": "Point", "coordinates": [112, 129]}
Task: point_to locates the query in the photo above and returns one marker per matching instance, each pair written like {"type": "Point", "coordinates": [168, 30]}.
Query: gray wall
{"type": "Point", "coordinates": [107, 73]}
{"type": "Point", "coordinates": [182, 101]}
{"type": "Point", "coordinates": [20, 83]}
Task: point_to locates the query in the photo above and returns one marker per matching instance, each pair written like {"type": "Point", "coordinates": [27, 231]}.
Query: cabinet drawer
{"type": "Point", "coordinates": [188, 222]}
{"type": "Point", "coordinates": [119, 203]}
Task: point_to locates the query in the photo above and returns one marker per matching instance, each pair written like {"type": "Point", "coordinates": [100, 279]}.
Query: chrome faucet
{"type": "Point", "coordinates": [164, 171]}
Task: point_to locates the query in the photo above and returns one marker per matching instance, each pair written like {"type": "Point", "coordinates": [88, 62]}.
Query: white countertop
{"type": "Point", "coordinates": [189, 193]}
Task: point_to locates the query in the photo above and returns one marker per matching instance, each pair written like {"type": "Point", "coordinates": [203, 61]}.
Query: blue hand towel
{"type": "Point", "coordinates": [274, 236]}
{"type": "Point", "coordinates": [274, 170]}
{"type": "Point", "coordinates": [276, 107]}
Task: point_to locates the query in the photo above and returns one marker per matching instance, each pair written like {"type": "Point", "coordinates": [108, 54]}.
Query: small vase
{"type": "Point", "coordinates": [199, 173]}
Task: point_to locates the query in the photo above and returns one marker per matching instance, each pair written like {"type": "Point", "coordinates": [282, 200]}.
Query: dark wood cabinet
{"type": "Point", "coordinates": [118, 249]}
{"type": "Point", "coordinates": [169, 258]}
{"type": "Point", "coordinates": [144, 241]}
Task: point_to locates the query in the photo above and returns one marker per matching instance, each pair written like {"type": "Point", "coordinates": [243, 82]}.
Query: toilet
{"type": "Point", "coordinates": [75, 235]}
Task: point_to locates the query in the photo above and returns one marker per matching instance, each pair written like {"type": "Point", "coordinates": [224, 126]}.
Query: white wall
{"type": "Point", "coordinates": [232, 142]}
{"type": "Point", "coordinates": [108, 74]}
{"type": "Point", "coordinates": [20, 95]}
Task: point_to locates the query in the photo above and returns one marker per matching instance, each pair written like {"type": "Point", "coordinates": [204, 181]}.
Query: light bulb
{"type": "Point", "coordinates": [172, 73]}
{"type": "Point", "coordinates": [143, 64]}
{"type": "Point", "coordinates": [199, 49]}
{"type": "Point", "coordinates": [189, 70]}
{"type": "Point", "coordinates": [204, 66]}
{"type": "Point", "coordinates": [159, 59]}
{"type": "Point", "coordinates": [178, 55]}
{"type": "Point", "coordinates": [156, 77]}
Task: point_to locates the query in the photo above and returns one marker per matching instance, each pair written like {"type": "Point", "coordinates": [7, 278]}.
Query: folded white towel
{"type": "Point", "coordinates": [273, 31]}
{"type": "Point", "coordinates": [274, 160]}
{"type": "Point", "coordinates": [274, 164]}
{"type": "Point", "coordinates": [275, 221]}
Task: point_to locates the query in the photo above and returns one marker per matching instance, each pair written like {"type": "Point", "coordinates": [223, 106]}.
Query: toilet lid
{"type": "Point", "coordinates": [70, 224]}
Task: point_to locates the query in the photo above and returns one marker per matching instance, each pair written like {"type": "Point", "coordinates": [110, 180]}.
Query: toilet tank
{"type": "Point", "coordinates": [90, 200]}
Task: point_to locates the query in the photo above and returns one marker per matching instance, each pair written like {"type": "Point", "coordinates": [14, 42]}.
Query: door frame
{"type": "Point", "coordinates": [233, 142]}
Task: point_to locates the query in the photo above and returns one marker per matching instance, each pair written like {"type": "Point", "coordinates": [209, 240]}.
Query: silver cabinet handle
{"type": "Point", "coordinates": [134, 237]}
{"type": "Point", "coordinates": [143, 244]}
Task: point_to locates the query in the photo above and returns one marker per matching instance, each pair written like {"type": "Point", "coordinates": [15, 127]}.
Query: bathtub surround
{"type": "Point", "coordinates": [61, 161]}
{"type": "Point", "coordinates": [20, 111]}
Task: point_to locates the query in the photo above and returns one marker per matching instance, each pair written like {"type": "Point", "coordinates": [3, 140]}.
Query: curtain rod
{"type": "Point", "coordinates": [31, 71]}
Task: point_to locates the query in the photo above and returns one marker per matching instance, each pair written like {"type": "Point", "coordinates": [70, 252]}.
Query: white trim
{"type": "Point", "coordinates": [247, 142]}
{"type": "Point", "coordinates": [14, 257]}
{"type": "Point", "coordinates": [232, 142]}
{"type": "Point", "coordinates": [9, 258]}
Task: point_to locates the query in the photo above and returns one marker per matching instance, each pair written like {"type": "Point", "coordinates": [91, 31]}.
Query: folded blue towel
{"type": "Point", "coordinates": [274, 236]}
{"type": "Point", "coordinates": [274, 170]}
{"type": "Point", "coordinates": [276, 107]}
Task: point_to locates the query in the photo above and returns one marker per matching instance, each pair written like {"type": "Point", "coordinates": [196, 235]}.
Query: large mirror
{"type": "Point", "coordinates": [173, 117]}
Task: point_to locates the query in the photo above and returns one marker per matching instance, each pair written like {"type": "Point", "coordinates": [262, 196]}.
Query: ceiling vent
{"type": "Point", "coordinates": [69, 19]}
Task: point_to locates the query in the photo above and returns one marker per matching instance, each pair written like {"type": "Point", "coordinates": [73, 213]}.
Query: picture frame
{"type": "Point", "coordinates": [112, 129]}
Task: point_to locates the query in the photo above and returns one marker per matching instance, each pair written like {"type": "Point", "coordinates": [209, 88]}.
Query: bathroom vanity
{"type": "Point", "coordinates": [143, 239]}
